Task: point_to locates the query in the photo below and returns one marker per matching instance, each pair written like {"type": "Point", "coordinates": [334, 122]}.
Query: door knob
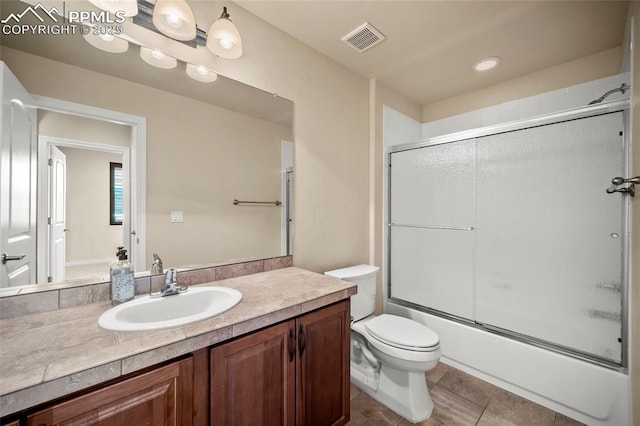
{"type": "Point", "coordinates": [6, 258]}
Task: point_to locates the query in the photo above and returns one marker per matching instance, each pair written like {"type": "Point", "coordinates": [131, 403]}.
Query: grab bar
{"type": "Point", "coordinates": [450, 228]}
{"type": "Point", "coordinates": [275, 203]}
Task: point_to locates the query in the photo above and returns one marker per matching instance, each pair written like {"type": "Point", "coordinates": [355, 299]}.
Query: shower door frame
{"type": "Point", "coordinates": [554, 118]}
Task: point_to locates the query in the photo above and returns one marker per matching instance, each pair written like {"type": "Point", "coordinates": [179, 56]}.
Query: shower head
{"type": "Point", "coordinates": [623, 88]}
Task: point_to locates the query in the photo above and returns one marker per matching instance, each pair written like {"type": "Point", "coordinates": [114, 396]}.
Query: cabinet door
{"type": "Point", "coordinates": [253, 379]}
{"type": "Point", "coordinates": [323, 366]}
{"type": "Point", "coordinates": [159, 397]}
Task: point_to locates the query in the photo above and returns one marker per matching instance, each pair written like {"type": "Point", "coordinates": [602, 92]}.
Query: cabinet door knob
{"type": "Point", "coordinates": [303, 340]}
{"type": "Point", "coordinates": [292, 343]}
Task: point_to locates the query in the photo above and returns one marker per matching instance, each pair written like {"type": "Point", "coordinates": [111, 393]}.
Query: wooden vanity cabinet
{"type": "Point", "coordinates": [163, 396]}
{"type": "Point", "coordinates": [322, 386]}
{"type": "Point", "coordinates": [292, 373]}
{"type": "Point", "coordinates": [296, 372]}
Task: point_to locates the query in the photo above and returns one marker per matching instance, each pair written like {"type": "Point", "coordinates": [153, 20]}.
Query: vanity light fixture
{"type": "Point", "coordinates": [107, 42]}
{"type": "Point", "coordinates": [157, 58]}
{"type": "Point", "coordinates": [486, 64]}
{"type": "Point", "coordinates": [201, 73]}
{"type": "Point", "coordinates": [130, 7]}
{"type": "Point", "coordinates": [223, 38]}
{"type": "Point", "coordinates": [174, 18]}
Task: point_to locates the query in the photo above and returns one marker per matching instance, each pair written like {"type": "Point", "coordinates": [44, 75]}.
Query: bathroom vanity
{"type": "Point", "coordinates": [281, 356]}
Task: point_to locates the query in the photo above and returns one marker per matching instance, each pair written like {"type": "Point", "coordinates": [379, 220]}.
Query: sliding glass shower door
{"type": "Point", "coordinates": [515, 232]}
{"type": "Point", "coordinates": [549, 238]}
{"type": "Point", "coordinates": [432, 220]}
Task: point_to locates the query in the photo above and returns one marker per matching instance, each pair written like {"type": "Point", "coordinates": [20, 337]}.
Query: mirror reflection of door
{"type": "Point", "coordinates": [18, 181]}
{"type": "Point", "coordinates": [84, 228]}
{"type": "Point", "coordinates": [57, 211]}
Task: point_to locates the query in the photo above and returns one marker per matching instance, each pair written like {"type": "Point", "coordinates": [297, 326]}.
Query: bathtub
{"type": "Point", "coordinates": [591, 394]}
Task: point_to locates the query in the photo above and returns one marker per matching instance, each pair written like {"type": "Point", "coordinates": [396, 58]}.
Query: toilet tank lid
{"type": "Point", "coordinates": [353, 271]}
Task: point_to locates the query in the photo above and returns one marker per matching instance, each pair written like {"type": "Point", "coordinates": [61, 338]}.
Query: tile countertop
{"type": "Point", "coordinates": [48, 355]}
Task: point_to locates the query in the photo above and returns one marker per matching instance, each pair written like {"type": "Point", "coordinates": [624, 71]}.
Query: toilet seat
{"type": "Point", "coordinates": [402, 333]}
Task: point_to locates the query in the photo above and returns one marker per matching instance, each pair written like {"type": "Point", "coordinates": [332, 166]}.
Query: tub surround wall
{"type": "Point", "coordinates": [546, 103]}
{"type": "Point", "coordinates": [52, 354]}
{"type": "Point", "coordinates": [33, 299]}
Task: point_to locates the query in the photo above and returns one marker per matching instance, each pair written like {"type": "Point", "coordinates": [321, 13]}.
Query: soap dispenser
{"type": "Point", "coordinates": [122, 279]}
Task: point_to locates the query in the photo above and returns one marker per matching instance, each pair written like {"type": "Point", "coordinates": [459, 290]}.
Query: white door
{"type": "Point", "coordinates": [57, 213]}
{"type": "Point", "coordinates": [17, 184]}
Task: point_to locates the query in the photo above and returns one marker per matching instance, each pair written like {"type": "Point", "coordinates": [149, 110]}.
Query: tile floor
{"type": "Point", "coordinates": [460, 400]}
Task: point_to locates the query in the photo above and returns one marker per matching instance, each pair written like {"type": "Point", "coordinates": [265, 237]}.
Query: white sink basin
{"type": "Point", "coordinates": [146, 313]}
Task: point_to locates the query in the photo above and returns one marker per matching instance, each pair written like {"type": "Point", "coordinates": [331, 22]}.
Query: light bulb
{"type": "Point", "coordinates": [226, 43]}
{"type": "Point", "coordinates": [157, 54]}
{"type": "Point", "coordinates": [201, 73]}
{"type": "Point", "coordinates": [106, 42]}
{"type": "Point", "coordinates": [223, 38]}
{"type": "Point", "coordinates": [157, 58]}
{"type": "Point", "coordinates": [174, 20]}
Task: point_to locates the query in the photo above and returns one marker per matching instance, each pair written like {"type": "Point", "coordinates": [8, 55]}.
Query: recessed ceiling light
{"type": "Point", "coordinates": [486, 64]}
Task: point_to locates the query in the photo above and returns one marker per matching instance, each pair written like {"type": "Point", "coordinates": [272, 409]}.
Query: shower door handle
{"type": "Point", "coordinates": [630, 189]}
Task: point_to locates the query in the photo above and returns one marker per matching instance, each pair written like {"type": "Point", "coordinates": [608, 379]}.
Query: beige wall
{"type": "Point", "coordinates": [634, 11]}
{"type": "Point", "coordinates": [331, 133]}
{"type": "Point", "coordinates": [585, 69]}
{"type": "Point", "coordinates": [90, 235]}
{"type": "Point", "coordinates": [198, 164]}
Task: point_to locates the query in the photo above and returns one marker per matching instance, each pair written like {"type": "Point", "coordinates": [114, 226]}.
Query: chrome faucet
{"type": "Point", "coordinates": [156, 266]}
{"type": "Point", "coordinates": [171, 285]}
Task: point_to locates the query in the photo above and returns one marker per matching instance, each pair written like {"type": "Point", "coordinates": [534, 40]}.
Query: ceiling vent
{"type": "Point", "coordinates": [364, 37]}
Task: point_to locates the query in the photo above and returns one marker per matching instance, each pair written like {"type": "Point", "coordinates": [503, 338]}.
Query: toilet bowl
{"type": "Point", "coordinates": [389, 354]}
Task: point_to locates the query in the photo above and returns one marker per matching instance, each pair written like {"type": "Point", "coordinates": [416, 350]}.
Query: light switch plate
{"type": "Point", "coordinates": [177, 217]}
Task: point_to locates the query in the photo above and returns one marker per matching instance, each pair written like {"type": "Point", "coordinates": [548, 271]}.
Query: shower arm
{"type": "Point", "coordinates": [623, 88]}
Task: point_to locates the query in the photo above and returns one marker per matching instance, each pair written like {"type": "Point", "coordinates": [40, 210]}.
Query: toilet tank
{"type": "Point", "coordinates": [364, 276]}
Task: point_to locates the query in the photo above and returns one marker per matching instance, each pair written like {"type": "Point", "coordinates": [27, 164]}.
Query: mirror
{"type": "Point", "coordinates": [207, 144]}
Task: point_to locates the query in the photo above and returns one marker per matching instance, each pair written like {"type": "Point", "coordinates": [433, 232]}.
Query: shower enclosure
{"type": "Point", "coordinates": [513, 231]}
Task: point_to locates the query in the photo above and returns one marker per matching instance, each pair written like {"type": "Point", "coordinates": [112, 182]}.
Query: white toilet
{"type": "Point", "coordinates": [389, 354]}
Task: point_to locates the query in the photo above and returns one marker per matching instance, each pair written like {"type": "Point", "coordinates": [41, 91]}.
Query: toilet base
{"type": "Point", "coordinates": [404, 392]}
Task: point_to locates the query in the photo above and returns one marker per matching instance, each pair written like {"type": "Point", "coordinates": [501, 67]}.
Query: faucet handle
{"type": "Point", "coordinates": [171, 277]}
